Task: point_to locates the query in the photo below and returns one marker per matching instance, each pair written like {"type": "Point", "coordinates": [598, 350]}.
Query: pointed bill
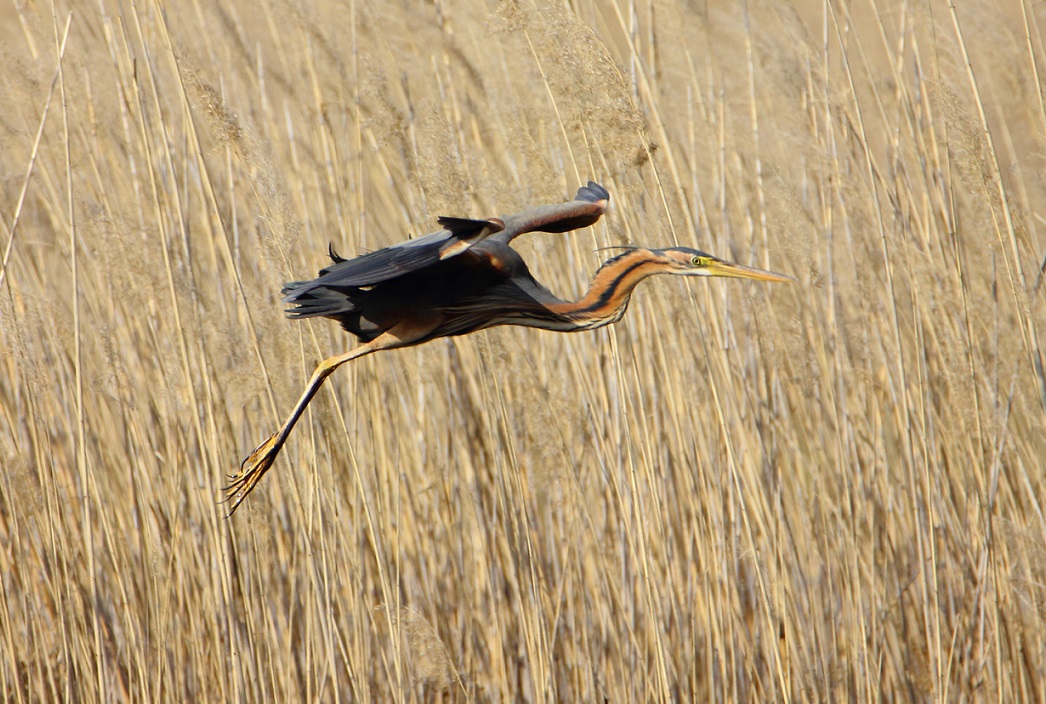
{"type": "Point", "coordinates": [738, 271]}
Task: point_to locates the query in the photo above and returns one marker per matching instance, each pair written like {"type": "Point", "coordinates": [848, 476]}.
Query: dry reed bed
{"type": "Point", "coordinates": [824, 491]}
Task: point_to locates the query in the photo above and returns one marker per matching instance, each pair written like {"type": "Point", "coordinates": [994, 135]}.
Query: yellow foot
{"type": "Point", "coordinates": [251, 472]}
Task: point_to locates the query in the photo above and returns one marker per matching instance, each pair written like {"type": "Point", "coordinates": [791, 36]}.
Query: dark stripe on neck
{"type": "Point", "coordinates": [607, 294]}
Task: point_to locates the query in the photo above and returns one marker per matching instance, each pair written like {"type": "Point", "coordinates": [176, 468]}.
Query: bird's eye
{"type": "Point", "coordinates": [697, 261]}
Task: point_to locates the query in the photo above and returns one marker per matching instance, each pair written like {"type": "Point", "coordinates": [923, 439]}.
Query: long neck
{"type": "Point", "coordinates": [609, 294]}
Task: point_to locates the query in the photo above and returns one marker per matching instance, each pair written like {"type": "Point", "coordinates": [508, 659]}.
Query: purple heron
{"type": "Point", "coordinates": [465, 278]}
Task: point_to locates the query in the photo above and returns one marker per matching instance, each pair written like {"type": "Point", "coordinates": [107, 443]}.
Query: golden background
{"type": "Point", "coordinates": [823, 491]}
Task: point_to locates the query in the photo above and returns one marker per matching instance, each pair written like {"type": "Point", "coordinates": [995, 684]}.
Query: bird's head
{"type": "Point", "coordinates": [684, 261]}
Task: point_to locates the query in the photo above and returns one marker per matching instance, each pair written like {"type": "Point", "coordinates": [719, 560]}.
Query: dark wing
{"type": "Point", "coordinates": [458, 235]}
{"type": "Point", "coordinates": [587, 207]}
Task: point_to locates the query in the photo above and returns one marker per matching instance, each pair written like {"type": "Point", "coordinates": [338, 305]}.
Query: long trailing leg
{"type": "Point", "coordinates": [258, 462]}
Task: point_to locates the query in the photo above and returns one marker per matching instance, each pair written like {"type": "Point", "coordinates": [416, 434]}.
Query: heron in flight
{"type": "Point", "coordinates": [465, 278]}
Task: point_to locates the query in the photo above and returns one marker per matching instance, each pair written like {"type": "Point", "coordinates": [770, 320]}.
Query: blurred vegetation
{"type": "Point", "coordinates": [827, 491]}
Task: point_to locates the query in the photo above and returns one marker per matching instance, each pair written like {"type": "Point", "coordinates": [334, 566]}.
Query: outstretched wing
{"type": "Point", "coordinates": [458, 235]}
{"type": "Point", "coordinates": [587, 207]}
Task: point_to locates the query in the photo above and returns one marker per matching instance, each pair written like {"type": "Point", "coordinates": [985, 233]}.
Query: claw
{"type": "Point", "coordinates": [251, 472]}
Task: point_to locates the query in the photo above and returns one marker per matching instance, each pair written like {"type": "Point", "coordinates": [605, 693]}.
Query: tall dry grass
{"type": "Point", "coordinates": [827, 491]}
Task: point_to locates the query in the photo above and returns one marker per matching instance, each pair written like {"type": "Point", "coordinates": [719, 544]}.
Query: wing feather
{"type": "Point", "coordinates": [457, 236]}
{"type": "Point", "coordinates": [587, 207]}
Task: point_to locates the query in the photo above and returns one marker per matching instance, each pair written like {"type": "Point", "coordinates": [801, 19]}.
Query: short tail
{"type": "Point", "coordinates": [307, 300]}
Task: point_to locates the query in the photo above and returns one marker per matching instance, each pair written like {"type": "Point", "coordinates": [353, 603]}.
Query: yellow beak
{"type": "Point", "coordinates": [736, 271]}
